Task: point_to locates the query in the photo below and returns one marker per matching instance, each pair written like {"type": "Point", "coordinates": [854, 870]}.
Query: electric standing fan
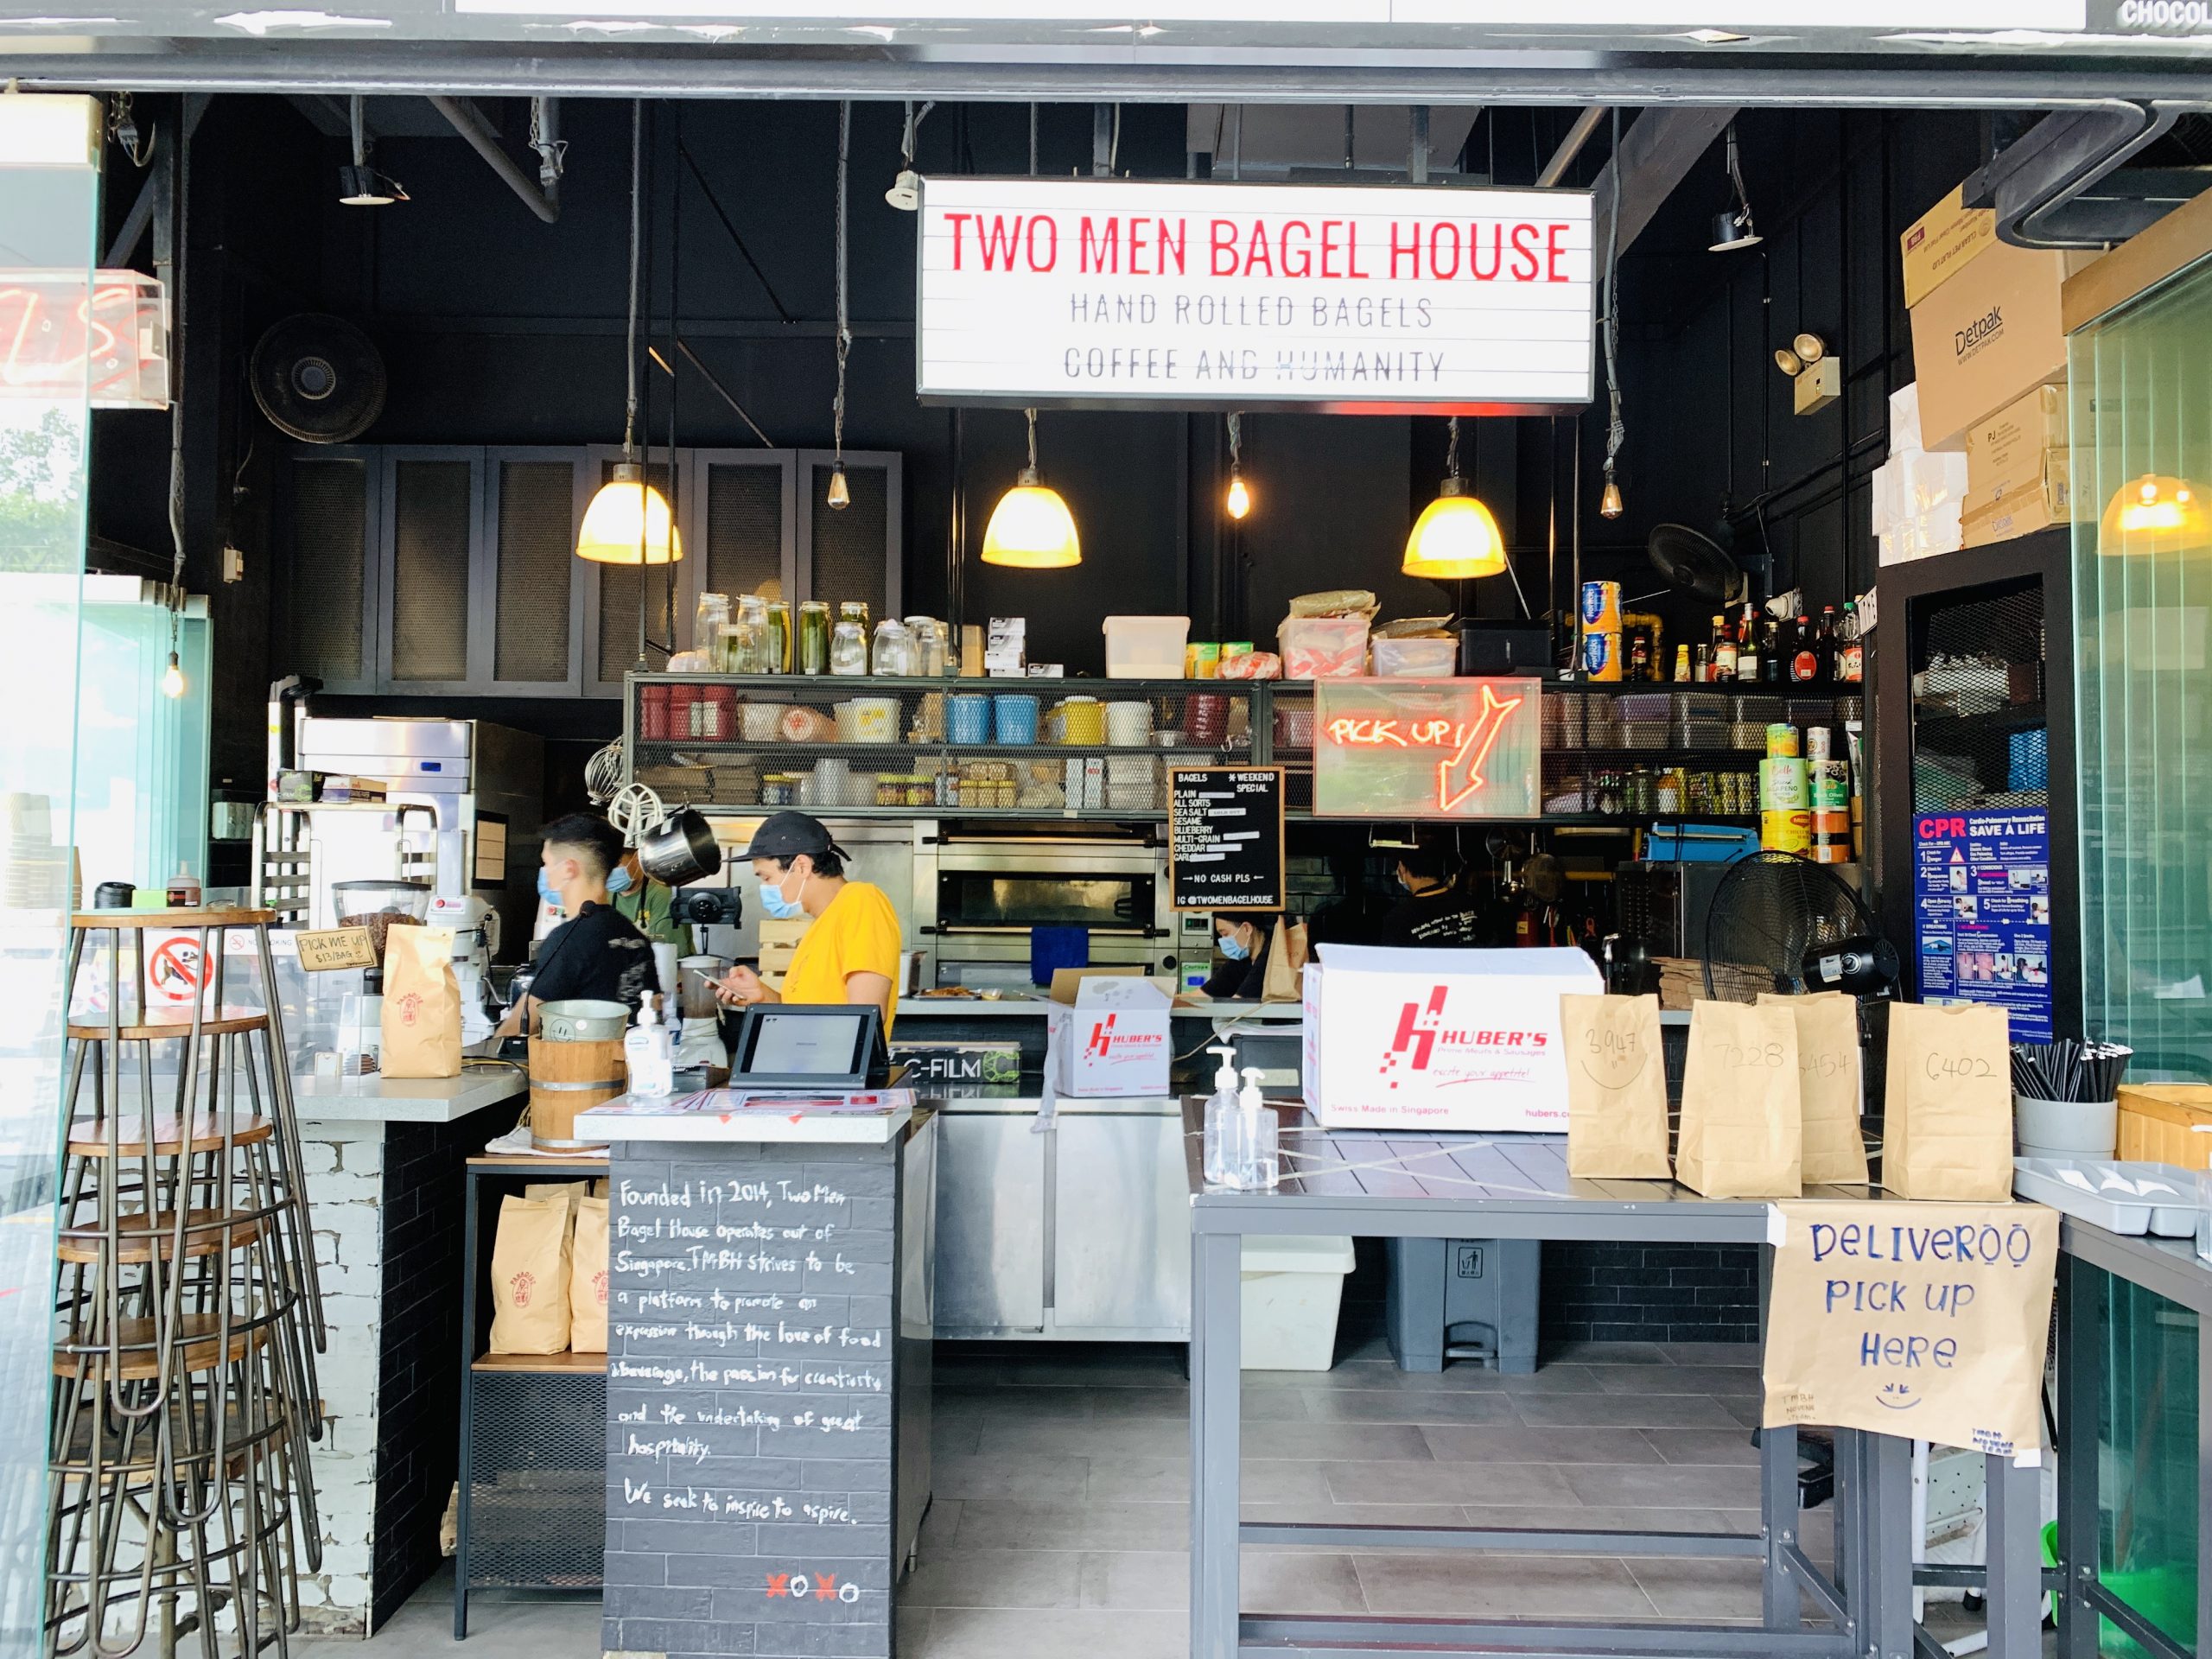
{"type": "Point", "coordinates": [1779, 921]}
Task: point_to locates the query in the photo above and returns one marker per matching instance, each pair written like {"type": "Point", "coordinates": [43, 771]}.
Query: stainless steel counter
{"type": "Point", "coordinates": [1076, 1229]}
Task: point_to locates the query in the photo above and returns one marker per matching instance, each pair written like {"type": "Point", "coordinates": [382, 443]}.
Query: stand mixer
{"type": "Point", "coordinates": [475, 927]}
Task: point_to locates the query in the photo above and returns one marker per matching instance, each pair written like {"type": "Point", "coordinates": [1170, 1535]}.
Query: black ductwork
{"type": "Point", "coordinates": [2065, 183]}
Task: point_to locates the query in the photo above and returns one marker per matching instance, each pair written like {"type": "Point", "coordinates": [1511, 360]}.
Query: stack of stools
{"type": "Point", "coordinates": [179, 1503]}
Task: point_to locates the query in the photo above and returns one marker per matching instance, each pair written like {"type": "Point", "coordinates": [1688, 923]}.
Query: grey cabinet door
{"type": "Point", "coordinates": [1122, 1225]}
{"type": "Point", "coordinates": [990, 1223]}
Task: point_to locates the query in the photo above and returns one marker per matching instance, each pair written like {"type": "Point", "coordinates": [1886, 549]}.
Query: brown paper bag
{"type": "Point", "coordinates": [1742, 1134]}
{"type": "Point", "coordinates": [1827, 1084]}
{"type": "Point", "coordinates": [1615, 1088]}
{"type": "Point", "coordinates": [587, 1278]}
{"type": "Point", "coordinates": [529, 1277]}
{"type": "Point", "coordinates": [421, 1005]}
{"type": "Point", "coordinates": [1921, 1319]}
{"type": "Point", "coordinates": [570, 1193]}
{"type": "Point", "coordinates": [1947, 1126]}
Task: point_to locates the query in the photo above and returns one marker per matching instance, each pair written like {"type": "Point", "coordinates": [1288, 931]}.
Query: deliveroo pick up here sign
{"type": "Point", "coordinates": [1927, 1320]}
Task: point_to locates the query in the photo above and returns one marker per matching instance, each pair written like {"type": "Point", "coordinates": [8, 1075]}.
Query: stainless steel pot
{"type": "Point", "coordinates": [681, 848]}
{"type": "Point", "coordinates": [582, 1020]}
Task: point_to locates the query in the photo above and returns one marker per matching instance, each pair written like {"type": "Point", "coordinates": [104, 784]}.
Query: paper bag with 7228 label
{"type": "Point", "coordinates": [1742, 1135]}
{"type": "Point", "coordinates": [1615, 1088]}
{"type": "Point", "coordinates": [1925, 1320]}
{"type": "Point", "coordinates": [1947, 1122]}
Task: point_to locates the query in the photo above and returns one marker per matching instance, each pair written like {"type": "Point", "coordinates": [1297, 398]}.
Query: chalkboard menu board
{"type": "Point", "coordinates": [1224, 837]}
{"type": "Point", "coordinates": [749, 1402]}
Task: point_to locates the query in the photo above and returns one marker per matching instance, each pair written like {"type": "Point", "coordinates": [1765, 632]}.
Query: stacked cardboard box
{"type": "Point", "coordinates": [2017, 479]}
{"type": "Point", "coordinates": [1919, 496]}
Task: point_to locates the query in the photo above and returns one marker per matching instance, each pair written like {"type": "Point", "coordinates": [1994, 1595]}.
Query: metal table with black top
{"type": "Point", "coordinates": [1412, 1184]}
{"type": "Point", "coordinates": [2168, 1267]}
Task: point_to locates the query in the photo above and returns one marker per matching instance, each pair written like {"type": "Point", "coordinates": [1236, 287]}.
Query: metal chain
{"type": "Point", "coordinates": [844, 323]}
{"type": "Point", "coordinates": [630, 359]}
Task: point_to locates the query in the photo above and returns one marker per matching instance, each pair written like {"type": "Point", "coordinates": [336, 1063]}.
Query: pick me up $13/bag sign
{"type": "Point", "coordinates": [1926, 1320]}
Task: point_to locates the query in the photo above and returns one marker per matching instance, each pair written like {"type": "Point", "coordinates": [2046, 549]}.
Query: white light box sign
{"type": "Point", "coordinates": [1129, 292]}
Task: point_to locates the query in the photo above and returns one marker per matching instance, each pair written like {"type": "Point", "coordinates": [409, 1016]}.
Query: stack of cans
{"type": "Point", "coordinates": [1601, 630]}
{"type": "Point", "coordinates": [1830, 782]}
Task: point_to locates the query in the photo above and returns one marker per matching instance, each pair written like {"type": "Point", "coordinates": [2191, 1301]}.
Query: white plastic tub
{"type": "Point", "coordinates": [1416, 659]}
{"type": "Point", "coordinates": [1146, 647]}
{"type": "Point", "coordinates": [1293, 1287]}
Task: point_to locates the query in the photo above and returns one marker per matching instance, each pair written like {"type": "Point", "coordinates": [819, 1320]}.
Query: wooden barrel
{"type": "Point", "coordinates": [566, 1078]}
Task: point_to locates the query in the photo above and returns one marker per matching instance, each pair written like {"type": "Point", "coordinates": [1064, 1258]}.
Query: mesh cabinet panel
{"type": "Point", "coordinates": [622, 587]}
{"type": "Point", "coordinates": [744, 531]}
{"type": "Point", "coordinates": [330, 516]}
{"type": "Point", "coordinates": [849, 541]}
{"type": "Point", "coordinates": [538, 1502]}
{"type": "Point", "coordinates": [429, 576]}
{"type": "Point", "coordinates": [1978, 732]}
{"type": "Point", "coordinates": [536, 555]}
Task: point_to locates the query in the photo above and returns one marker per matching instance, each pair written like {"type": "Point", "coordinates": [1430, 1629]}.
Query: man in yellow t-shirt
{"type": "Point", "coordinates": [850, 953]}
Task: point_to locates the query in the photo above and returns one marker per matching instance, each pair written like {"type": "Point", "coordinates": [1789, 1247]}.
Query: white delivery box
{"type": "Point", "coordinates": [1111, 1038]}
{"type": "Point", "coordinates": [1440, 1039]}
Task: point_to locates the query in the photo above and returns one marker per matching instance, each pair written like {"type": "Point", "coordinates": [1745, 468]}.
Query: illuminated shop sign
{"type": "Point", "coordinates": [1427, 748]}
{"type": "Point", "coordinates": [1132, 292]}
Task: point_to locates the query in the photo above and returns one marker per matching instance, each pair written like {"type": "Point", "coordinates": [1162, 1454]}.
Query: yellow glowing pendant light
{"type": "Point", "coordinates": [1032, 527]}
{"type": "Point", "coordinates": [1455, 537]}
{"type": "Point", "coordinates": [2154, 514]}
{"type": "Point", "coordinates": [1239, 499]}
{"type": "Point", "coordinates": [628, 521]}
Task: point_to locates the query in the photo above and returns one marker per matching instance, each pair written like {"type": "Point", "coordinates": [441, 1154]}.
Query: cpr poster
{"type": "Point", "coordinates": [1981, 913]}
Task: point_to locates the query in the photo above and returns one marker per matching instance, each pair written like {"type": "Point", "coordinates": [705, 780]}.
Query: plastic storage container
{"type": "Point", "coordinates": [1146, 647]}
{"type": "Point", "coordinates": [1293, 1287]}
{"type": "Point", "coordinates": [1323, 647]}
{"type": "Point", "coordinates": [1416, 659]}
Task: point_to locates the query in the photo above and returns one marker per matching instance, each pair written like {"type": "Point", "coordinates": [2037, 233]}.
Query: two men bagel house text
{"type": "Point", "coordinates": [850, 953]}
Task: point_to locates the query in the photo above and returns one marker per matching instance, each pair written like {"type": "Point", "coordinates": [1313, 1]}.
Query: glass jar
{"type": "Point", "coordinates": [890, 790]}
{"type": "Point", "coordinates": [707, 622]}
{"type": "Point", "coordinates": [854, 610]}
{"type": "Point", "coordinates": [931, 648]}
{"type": "Point", "coordinates": [921, 791]}
{"type": "Point", "coordinates": [813, 653]}
{"type": "Point", "coordinates": [1667, 793]}
{"type": "Point", "coordinates": [779, 789]}
{"type": "Point", "coordinates": [848, 649]}
{"type": "Point", "coordinates": [777, 628]}
{"type": "Point", "coordinates": [895, 649]}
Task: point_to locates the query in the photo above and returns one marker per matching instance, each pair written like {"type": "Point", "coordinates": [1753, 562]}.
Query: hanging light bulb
{"type": "Point", "coordinates": [1609, 499]}
{"type": "Point", "coordinates": [1032, 527]}
{"type": "Point", "coordinates": [628, 521]}
{"type": "Point", "coordinates": [2153, 514]}
{"type": "Point", "coordinates": [1240, 496]}
{"type": "Point", "coordinates": [841, 495]}
{"type": "Point", "coordinates": [905, 191]}
{"type": "Point", "coordinates": [173, 678]}
{"type": "Point", "coordinates": [1456, 535]}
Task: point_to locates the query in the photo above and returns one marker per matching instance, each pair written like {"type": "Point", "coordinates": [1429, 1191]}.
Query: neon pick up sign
{"type": "Point", "coordinates": [1448, 749]}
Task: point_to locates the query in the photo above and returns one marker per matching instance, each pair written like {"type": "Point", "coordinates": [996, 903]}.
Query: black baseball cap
{"type": "Point", "coordinates": [786, 834]}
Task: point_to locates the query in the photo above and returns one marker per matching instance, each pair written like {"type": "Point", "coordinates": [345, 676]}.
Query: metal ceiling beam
{"type": "Point", "coordinates": [1656, 153]}
{"type": "Point", "coordinates": [1014, 75]}
{"type": "Point", "coordinates": [468, 121]}
{"type": "Point", "coordinates": [1571, 146]}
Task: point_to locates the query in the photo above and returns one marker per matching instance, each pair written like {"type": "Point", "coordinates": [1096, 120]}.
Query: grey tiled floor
{"type": "Point", "coordinates": [1060, 1523]}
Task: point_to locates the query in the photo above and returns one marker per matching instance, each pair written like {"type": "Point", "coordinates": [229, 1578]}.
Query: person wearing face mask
{"type": "Point", "coordinates": [1436, 912]}
{"type": "Point", "coordinates": [850, 953]}
{"type": "Point", "coordinates": [649, 905]}
{"type": "Point", "coordinates": [1241, 938]}
{"type": "Point", "coordinates": [598, 953]}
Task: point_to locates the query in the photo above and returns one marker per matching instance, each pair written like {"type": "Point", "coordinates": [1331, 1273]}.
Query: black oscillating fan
{"type": "Point", "coordinates": [1780, 922]}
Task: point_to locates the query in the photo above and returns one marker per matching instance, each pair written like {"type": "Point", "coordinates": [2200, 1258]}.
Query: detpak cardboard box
{"type": "Point", "coordinates": [1988, 336]}
{"type": "Point", "coordinates": [1440, 1039]}
{"type": "Point", "coordinates": [1938, 244]}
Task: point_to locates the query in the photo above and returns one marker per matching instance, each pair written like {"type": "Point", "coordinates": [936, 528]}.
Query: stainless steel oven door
{"type": "Point", "coordinates": [980, 900]}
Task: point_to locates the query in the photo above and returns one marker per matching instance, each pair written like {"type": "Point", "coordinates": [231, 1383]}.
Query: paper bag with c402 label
{"type": "Point", "coordinates": [1615, 1088]}
{"type": "Point", "coordinates": [1946, 1110]}
{"type": "Point", "coordinates": [1743, 1132]}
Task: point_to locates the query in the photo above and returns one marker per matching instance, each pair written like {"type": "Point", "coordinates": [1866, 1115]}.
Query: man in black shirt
{"type": "Point", "coordinates": [598, 953]}
{"type": "Point", "coordinates": [1435, 914]}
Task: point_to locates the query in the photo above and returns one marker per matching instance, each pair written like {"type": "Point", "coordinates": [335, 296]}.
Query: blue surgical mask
{"type": "Point", "coordinates": [619, 881]}
{"type": "Point", "coordinates": [774, 906]}
{"type": "Point", "coordinates": [546, 890]}
{"type": "Point", "coordinates": [1235, 948]}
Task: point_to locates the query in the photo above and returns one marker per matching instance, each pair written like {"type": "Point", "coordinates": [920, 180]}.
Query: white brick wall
{"type": "Point", "coordinates": [345, 1169]}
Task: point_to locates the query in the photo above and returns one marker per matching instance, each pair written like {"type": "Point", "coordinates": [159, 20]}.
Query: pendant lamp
{"type": "Point", "coordinates": [628, 521]}
{"type": "Point", "coordinates": [1239, 500]}
{"type": "Point", "coordinates": [2154, 514]}
{"type": "Point", "coordinates": [1456, 536]}
{"type": "Point", "coordinates": [1032, 527]}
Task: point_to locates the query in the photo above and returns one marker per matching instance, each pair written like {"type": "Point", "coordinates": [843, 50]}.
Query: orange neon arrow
{"type": "Point", "coordinates": [1474, 749]}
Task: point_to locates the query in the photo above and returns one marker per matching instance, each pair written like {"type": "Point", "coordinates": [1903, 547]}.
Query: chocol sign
{"type": "Point", "coordinates": [1427, 748]}
{"type": "Point", "coordinates": [1351, 297]}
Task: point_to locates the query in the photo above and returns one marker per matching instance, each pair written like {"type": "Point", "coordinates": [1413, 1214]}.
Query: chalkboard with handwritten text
{"type": "Point", "coordinates": [751, 1338]}
{"type": "Point", "coordinates": [1224, 837]}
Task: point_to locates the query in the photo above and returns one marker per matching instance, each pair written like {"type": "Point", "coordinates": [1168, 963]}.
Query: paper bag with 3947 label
{"type": "Point", "coordinates": [1926, 1320]}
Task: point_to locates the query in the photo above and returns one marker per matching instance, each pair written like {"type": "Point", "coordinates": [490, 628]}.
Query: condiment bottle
{"type": "Point", "coordinates": [184, 888]}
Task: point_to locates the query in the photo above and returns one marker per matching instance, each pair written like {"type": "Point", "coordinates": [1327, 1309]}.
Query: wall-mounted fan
{"type": "Point", "coordinates": [317, 379]}
{"type": "Point", "coordinates": [1694, 563]}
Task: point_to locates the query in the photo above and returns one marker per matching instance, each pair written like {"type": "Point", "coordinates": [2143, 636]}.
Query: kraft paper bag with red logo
{"type": "Point", "coordinates": [587, 1278]}
{"type": "Point", "coordinates": [1615, 1088]}
{"type": "Point", "coordinates": [529, 1277]}
{"type": "Point", "coordinates": [1743, 1131]}
{"type": "Point", "coordinates": [1827, 1085]}
{"type": "Point", "coordinates": [421, 1005]}
{"type": "Point", "coordinates": [1947, 1112]}
{"type": "Point", "coordinates": [1440, 1039]}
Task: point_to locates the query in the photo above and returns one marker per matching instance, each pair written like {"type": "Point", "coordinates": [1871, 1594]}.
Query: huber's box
{"type": "Point", "coordinates": [1440, 1039]}
{"type": "Point", "coordinates": [1112, 1039]}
